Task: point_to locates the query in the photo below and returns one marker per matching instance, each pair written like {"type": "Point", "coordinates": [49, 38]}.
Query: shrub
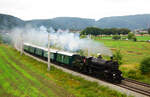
{"type": "Point", "coordinates": [148, 30]}
{"type": "Point", "coordinates": [134, 74]}
{"type": "Point", "coordinates": [118, 56]}
{"type": "Point", "coordinates": [134, 38]}
{"type": "Point", "coordinates": [145, 65]}
{"type": "Point", "coordinates": [131, 35]}
{"type": "Point", "coordinates": [0, 39]}
{"type": "Point", "coordinates": [116, 37]}
{"type": "Point", "coordinates": [82, 36]}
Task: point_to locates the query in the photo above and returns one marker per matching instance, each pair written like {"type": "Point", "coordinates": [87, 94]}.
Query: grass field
{"type": "Point", "coordinates": [22, 76]}
{"type": "Point", "coordinates": [139, 38]}
{"type": "Point", "coordinates": [133, 53]}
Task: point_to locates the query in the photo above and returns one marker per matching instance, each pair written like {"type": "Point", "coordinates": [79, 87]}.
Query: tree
{"type": "Point", "coordinates": [142, 33]}
{"type": "Point", "coordinates": [116, 37]}
{"type": "Point", "coordinates": [123, 31]}
{"type": "Point", "coordinates": [118, 56]}
{"type": "Point", "coordinates": [91, 31]}
{"type": "Point", "coordinates": [107, 31]}
{"type": "Point", "coordinates": [0, 38]}
{"type": "Point", "coordinates": [134, 38]}
{"type": "Point", "coordinates": [130, 35]}
{"type": "Point", "coordinates": [148, 30]}
{"type": "Point", "coordinates": [145, 65]}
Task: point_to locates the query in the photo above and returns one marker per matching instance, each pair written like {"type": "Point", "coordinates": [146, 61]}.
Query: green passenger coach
{"type": "Point", "coordinates": [64, 58]}
{"type": "Point", "coordinates": [58, 56]}
{"type": "Point", "coordinates": [26, 47]}
{"type": "Point", "coordinates": [31, 49]}
{"type": "Point", "coordinates": [52, 54]}
{"type": "Point", "coordinates": [39, 52]}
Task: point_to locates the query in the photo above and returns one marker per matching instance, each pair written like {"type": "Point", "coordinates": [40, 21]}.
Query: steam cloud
{"type": "Point", "coordinates": [63, 39]}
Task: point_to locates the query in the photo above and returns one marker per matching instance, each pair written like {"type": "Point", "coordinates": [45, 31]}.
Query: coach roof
{"type": "Point", "coordinates": [65, 53]}
{"type": "Point", "coordinates": [45, 49]}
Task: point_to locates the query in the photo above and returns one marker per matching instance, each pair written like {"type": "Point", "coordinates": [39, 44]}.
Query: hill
{"type": "Point", "coordinates": [74, 23]}
{"type": "Point", "coordinates": [132, 22]}
{"type": "Point", "coordinates": [64, 23]}
{"type": "Point", "coordinates": [8, 22]}
{"type": "Point", "coordinates": [44, 22]}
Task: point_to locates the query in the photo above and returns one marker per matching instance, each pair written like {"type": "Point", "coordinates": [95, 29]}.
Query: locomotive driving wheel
{"type": "Point", "coordinates": [106, 75]}
{"type": "Point", "coordinates": [90, 71]}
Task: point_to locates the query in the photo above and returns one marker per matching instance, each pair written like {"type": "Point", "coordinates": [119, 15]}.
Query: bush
{"type": "Point", "coordinates": [145, 65]}
{"type": "Point", "coordinates": [131, 35]}
{"type": "Point", "coordinates": [134, 38]}
{"type": "Point", "coordinates": [148, 30]}
{"type": "Point", "coordinates": [0, 39]}
{"type": "Point", "coordinates": [118, 56]}
{"type": "Point", "coordinates": [116, 37]}
{"type": "Point", "coordinates": [134, 74]}
{"type": "Point", "coordinates": [82, 36]}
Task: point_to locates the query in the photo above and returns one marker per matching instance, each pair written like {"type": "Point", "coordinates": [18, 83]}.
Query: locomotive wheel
{"type": "Point", "coordinates": [84, 70]}
{"type": "Point", "coordinates": [106, 77]}
{"type": "Point", "coordinates": [90, 70]}
{"type": "Point", "coordinates": [118, 81]}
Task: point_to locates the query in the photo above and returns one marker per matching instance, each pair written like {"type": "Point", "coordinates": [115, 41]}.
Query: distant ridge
{"type": "Point", "coordinates": [8, 22]}
{"type": "Point", "coordinates": [141, 21]}
{"type": "Point", "coordinates": [132, 22]}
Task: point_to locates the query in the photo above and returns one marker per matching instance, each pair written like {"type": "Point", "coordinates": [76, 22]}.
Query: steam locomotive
{"type": "Point", "coordinates": [103, 69]}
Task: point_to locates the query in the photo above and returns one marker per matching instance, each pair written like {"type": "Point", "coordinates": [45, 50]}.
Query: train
{"type": "Point", "coordinates": [107, 70]}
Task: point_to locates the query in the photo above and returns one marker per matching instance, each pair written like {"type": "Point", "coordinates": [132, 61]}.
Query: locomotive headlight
{"type": "Point", "coordinates": [114, 74]}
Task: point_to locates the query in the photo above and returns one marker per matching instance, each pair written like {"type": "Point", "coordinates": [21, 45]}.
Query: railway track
{"type": "Point", "coordinates": [136, 86]}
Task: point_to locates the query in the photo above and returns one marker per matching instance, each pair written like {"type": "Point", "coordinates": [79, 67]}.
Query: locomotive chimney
{"type": "Point", "coordinates": [111, 57]}
{"type": "Point", "coordinates": [99, 56]}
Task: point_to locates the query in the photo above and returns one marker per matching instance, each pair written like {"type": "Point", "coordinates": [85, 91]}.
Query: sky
{"type": "Point", "coordinates": [94, 9]}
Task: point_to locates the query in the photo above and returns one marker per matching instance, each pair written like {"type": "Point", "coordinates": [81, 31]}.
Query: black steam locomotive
{"type": "Point", "coordinates": [104, 69]}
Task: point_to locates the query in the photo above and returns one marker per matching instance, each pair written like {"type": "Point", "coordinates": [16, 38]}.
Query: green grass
{"type": "Point", "coordinates": [22, 76]}
{"type": "Point", "coordinates": [139, 38]}
{"type": "Point", "coordinates": [143, 38]}
{"type": "Point", "coordinates": [133, 53]}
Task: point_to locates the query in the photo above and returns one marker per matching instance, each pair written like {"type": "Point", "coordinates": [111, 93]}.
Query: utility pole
{"type": "Point", "coordinates": [15, 43]}
{"type": "Point", "coordinates": [21, 44]}
{"type": "Point", "coordinates": [48, 51]}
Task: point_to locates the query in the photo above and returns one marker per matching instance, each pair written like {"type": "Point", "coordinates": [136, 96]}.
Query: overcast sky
{"type": "Point", "coordinates": [95, 9]}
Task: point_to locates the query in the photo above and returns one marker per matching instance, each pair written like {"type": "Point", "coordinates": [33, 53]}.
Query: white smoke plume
{"type": "Point", "coordinates": [63, 39]}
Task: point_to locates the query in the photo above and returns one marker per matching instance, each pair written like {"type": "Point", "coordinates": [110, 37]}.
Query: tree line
{"type": "Point", "coordinates": [148, 30]}
{"type": "Point", "coordinates": [107, 31]}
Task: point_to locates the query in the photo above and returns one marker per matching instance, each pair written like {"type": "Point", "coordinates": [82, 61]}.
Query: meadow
{"type": "Point", "coordinates": [133, 53]}
{"type": "Point", "coordinates": [139, 37]}
{"type": "Point", "coordinates": [22, 76]}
